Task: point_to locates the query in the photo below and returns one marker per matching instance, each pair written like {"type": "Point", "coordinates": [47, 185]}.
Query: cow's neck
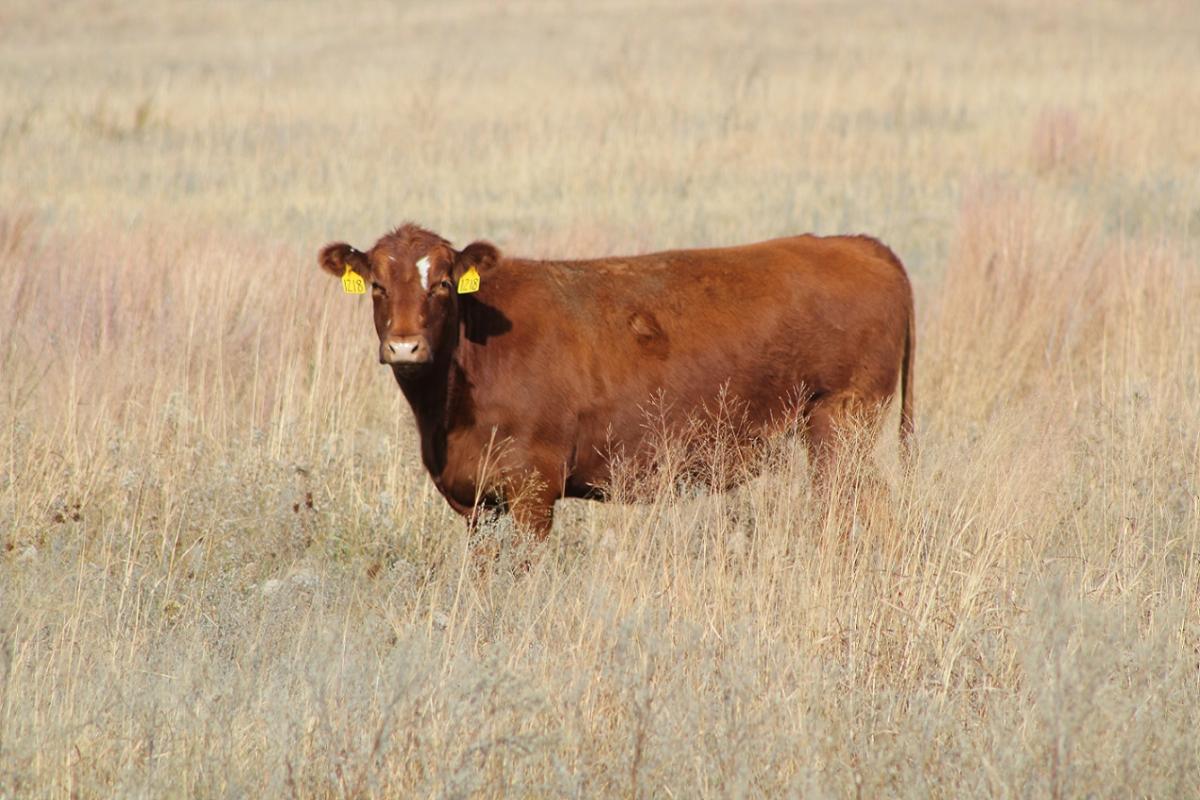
{"type": "Point", "coordinates": [433, 396]}
{"type": "Point", "coordinates": [426, 394]}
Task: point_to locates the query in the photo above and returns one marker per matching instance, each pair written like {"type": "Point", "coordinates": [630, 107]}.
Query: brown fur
{"type": "Point", "coordinates": [543, 376]}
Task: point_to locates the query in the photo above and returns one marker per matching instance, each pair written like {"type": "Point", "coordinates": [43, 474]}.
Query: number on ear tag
{"type": "Point", "coordinates": [352, 282]}
{"type": "Point", "coordinates": [469, 282]}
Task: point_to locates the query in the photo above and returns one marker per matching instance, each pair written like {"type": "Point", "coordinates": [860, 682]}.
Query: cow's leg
{"type": "Point", "coordinates": [830, 451]}
{"type": "Point", "coordinates": [483, 548]}
{"type": "Point", "coordinates": [531, 497]}
{"type": "Point", "coordinates": [872, 495]}
{"type": "Point", "coordinates": [841, 435]}
{"type": "Point", "coordinates": [521, 484]}
{"type": "Point", "coordinates": [535, 515]}
{"type": "Point", "coordinates": [824, 444]}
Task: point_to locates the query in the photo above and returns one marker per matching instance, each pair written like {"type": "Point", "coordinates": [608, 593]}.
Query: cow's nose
{"type": "Point", "coordinates": [404, 350]}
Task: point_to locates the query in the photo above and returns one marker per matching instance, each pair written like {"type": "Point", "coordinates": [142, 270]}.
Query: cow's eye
{"type": "Point", "coordinates": [377, 289]}
{"type": "Point", "coordinates": [445, 284]}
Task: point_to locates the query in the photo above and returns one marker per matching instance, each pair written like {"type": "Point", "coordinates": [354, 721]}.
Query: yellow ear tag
{"type": "Point", "coordinates": [469, 282]}
{"type": "Point", "coordinates": [352, 282]}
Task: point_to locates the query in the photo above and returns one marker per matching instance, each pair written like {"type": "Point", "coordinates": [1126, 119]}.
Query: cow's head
{"type": "Point", "coordinates": [412, 275]}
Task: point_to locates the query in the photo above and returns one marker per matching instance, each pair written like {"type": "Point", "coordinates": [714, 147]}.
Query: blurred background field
{"type": "Point", "coordinates": [224, 573]}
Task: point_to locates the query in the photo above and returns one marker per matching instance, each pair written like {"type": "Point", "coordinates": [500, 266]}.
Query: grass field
{"type": "Point", "coordinates": [223, 572]}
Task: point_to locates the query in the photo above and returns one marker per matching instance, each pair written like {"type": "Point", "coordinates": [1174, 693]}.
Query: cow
{"type": "Point", "coordinates": [530, 379]}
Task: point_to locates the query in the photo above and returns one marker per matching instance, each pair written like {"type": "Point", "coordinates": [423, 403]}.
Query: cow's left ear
{"type": "Point", "coordinates": [480, 255]}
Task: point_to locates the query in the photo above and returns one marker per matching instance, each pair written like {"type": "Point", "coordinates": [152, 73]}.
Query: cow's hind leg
{"type": "Point", "coordinates": [827, 441]}
{"type": "Point", "coordinates": [841, 433]}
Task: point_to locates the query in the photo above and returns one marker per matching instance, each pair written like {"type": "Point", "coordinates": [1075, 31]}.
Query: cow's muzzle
{"type": "Point", "coordinates": [405, 350]}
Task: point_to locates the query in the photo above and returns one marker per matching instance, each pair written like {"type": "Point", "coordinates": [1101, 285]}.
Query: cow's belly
{"type": "Point", "coordinates": [632, 440]}
{"type": "Point", "coordinates": [624, 436]}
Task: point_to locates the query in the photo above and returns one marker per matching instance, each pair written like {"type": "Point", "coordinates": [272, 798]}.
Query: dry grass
{"type": "Point", "coordinates": [224, 574]}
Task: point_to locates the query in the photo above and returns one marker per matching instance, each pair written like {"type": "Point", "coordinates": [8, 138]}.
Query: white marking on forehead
{"type": "Point", "coordinates": [423, 268]}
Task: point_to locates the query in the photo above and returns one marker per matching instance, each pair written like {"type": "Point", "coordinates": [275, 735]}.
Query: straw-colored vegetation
{"type": "Point", "coordinates": [223, 572]}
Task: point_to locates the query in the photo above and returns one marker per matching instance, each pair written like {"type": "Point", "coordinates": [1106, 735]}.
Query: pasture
{"type": "Point", "coordinates": [224, 573]}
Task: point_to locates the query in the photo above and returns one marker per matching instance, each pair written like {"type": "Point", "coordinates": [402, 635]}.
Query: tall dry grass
{"type": "Point", "coordinates": [224, 573]}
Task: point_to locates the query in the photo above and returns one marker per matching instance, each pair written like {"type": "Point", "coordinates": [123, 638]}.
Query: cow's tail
{"type": "Point", "coordinates": [907, 424]}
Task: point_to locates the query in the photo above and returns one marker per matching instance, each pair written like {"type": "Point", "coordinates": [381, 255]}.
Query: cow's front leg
{"type": "Point", "coordinates": [531, 496]}
{"type": "Point", "coordinates": [513, 475]}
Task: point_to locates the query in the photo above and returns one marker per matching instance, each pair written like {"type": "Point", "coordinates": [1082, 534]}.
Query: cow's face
{"type": "Point", "coordinates": [409, 276]}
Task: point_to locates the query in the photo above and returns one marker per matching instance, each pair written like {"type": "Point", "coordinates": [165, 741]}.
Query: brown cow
{"type": "Point", "coordinates": [544, 375]}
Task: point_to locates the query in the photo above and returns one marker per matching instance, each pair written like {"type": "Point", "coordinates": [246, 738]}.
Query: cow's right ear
{"type": "Point", "coordinates": [334, 259]}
